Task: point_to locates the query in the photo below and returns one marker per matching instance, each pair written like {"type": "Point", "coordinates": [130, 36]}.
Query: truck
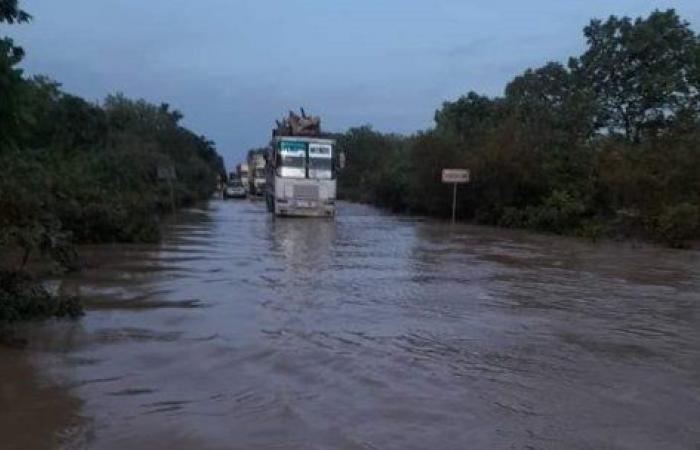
{"type": "Point", "coordinates": [256, 178]}
{"type": "Point", "coordinates": [301, 168]}
{"type": "Point", "coordinates": [242, 174]}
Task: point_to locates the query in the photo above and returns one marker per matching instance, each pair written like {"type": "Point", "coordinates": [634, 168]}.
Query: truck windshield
{"type": "Point", "coordinates": [291, 159]}
{"type": "Point", "coordinates": [320, 161]}
{"type": "Point", "coordinates": [287, 160]}
{"type": "Point", "coordinates": [294, 158]}
{"type": "Point", "coordinates": [320, 168]}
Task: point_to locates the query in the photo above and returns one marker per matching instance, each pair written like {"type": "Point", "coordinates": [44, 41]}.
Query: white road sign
{"type": "Point", "coordinates": [455, 175]}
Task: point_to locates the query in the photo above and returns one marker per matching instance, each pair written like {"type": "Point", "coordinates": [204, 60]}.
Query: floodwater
{"type": "Point", "coordinates": [368, 332]}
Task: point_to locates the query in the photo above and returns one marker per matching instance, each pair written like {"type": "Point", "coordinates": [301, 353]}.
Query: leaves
{"type": "Point", "coordinates": [643, 72]}
{"type": "Point", "coordinates": [11, 13]}
{"type": "Point", "coordinates": [76, 171]}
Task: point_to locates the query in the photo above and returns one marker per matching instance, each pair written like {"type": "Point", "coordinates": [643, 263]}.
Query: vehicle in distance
{"type": "Point", "coordinates": [256, 172]}
{"type": "Point", "coordinates": [242, 171]}
{"type": "Point", "coordinates": [235, 189]}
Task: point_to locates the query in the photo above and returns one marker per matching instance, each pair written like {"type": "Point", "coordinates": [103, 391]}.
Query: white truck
{"type": "Point", "coordinates": [301, 168]}
{"type": "Point", "coordinates": [256, 177]}
{"type": "Point", "coordinates": [301, 176]}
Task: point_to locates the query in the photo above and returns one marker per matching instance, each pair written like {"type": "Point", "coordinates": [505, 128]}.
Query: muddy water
{"type": "Point", "coordinates": [370, 332]}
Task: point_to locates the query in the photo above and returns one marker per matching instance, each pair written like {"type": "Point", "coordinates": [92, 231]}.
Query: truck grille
{"type": "Point", "coordinates": [305, 192]}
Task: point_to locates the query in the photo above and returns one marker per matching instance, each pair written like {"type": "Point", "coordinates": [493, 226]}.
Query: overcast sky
{"type": "Point", "coordinates": [232, 67]}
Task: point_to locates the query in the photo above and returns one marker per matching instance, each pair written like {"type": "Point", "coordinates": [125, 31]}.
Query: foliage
{"type": "Point", "coordinates": [374, 172]}
{"type": "Point", "coordinates": [609, 144]}
{"type": "Point", "coordinates": [74, 171]}
{"type": "Point", "coordinates": [677, 224]}
{"type": "Point", "coordinates": [22, 298]}
{"type": "Point", "coordinates": [88, 172]}
{"type": "Point", "coordinates": [10, 12]}
{"type": "Point", "coordinates": [468, 117]}
{"type": "Point", "coordinates": [560, 212]}
{"type": "Point", "coordinates": [12, 114]}
{"type": "Point", "coordinates": [643, 72]}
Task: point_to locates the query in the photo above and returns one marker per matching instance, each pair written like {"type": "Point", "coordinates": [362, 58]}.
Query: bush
{"type": "Point", "coordinates": [592, 229]}
{"type": "Point", "coordinates": [513, 218]}
{"type": "Point", "coordinates": [560, 213]}
{"type": "Point", "coordinates": [677, 224]}
{"type": "Point", "coordinates": [22, 298]}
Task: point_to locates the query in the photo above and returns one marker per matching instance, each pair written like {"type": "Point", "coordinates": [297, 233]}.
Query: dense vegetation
{"type": "Point", "coordinates": [607, 145]}
{"type": "Point", "coordinates": [21, 298]}
{"type": "Point", "coordinates": [72, 171]}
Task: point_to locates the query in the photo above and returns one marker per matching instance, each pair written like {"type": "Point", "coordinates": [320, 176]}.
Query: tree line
{"type": "Point", "coordinates": [606, 145]}
{"type": "Point", "coordinates": [74, 171]}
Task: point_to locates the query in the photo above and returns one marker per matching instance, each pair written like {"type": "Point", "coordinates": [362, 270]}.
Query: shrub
{"type": "Point", "coordinates": [677, 224]}
{"type": "Point", "coordinates": [560, 213]}
{"type": "Point", "coordinates": [22, 298]}
{"type": "Point", "coordinates": [592, 229]}
{"type": "Point", "coordinates": [513, 218]}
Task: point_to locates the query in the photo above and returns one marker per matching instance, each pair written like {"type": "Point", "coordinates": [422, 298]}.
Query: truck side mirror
{"type": "Point", "coordinates": [341, 160]}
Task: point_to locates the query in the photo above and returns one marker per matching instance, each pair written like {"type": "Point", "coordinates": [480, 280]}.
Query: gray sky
{"type": "Point", "coordinates": [232, 67]}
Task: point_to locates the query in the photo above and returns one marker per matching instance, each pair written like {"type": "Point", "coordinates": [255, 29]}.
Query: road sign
{"type": "Point", "coordinates": [455, 175]}
{"type": "Point", "coordinates": [166, 173]}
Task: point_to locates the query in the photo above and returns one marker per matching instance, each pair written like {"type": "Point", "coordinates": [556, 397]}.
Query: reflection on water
{"type": "Point", "coordinates": [36, 413]}
{"type": "Point", "coordinates": [372, 331]}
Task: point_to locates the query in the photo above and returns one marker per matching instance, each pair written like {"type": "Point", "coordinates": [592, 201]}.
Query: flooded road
{"type": "Point", "coordinates": [370, 332]}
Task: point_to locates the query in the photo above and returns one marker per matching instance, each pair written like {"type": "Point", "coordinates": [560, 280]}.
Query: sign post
{"type": "Point", "coordinates": [455, 176]}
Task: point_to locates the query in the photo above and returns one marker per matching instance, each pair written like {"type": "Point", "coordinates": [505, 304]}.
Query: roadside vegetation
{"type": "Point", "coordinates": [74, 171]}
{"type": "Point", "coordinates": [606, 145]}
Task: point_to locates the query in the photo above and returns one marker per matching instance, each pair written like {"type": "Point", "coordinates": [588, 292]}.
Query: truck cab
{"type": "Point", "coordinates": [301, 176]}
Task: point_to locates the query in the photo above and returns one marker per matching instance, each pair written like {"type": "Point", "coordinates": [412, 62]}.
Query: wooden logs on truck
{"type": "Point", "coordinates": [298, 125]}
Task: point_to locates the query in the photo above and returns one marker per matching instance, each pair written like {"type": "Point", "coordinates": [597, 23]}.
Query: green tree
{"type": "Point", "coordinates": [428, 154]}
{"type": "Point", "coordinates": [12, 116]}
{"type": "Point", "coordinates": [10, 12]}
{"type": "Point", "coordinates": [644, 72]}
{"type": "Point", "coordinates": [551, 97]}
{"type": "Point", "coordinates": [468, 117]}
{"type": "Point", "coordinates": [375, 171]}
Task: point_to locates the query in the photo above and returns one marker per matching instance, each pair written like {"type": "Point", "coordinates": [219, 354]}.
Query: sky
{"type": "Point", "coordinates": [234, 66]}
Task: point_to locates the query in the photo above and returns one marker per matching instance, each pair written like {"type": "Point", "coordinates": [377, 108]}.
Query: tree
{"type": "Point", "coordinates": [375, 171]}
{"type": "Point", "coordinates": [550, 96]}
{"type": "Point", "coordinates": [11, 13]}
{"type": "Point", "coordinates": [468, 117]}
{"type": "Point", "coordinates": [428, 154]}
{"type": "Point", "coordinates": [643, 72]}
{"type": "Point", "coordinates": [11, 83]}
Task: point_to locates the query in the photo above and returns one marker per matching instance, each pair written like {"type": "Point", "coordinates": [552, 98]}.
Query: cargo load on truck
{"type": "Point", "coordinates": [298, 125]}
